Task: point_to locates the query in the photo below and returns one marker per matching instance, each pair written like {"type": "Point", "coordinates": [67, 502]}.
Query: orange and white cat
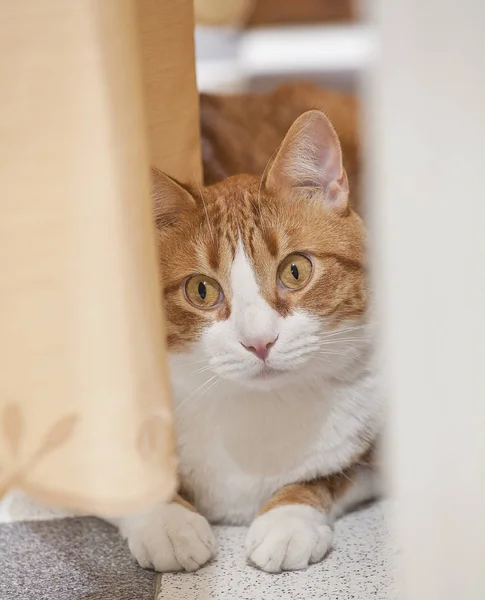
{"type": "Point", "coordinates": [275, 378]}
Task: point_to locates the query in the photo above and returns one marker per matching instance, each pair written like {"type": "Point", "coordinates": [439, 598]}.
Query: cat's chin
{"type": "Point", "coordinates": [266, 380]}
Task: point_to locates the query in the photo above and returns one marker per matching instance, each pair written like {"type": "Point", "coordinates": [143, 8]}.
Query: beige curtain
{"type": "Point", "coordinates": [85, 416]}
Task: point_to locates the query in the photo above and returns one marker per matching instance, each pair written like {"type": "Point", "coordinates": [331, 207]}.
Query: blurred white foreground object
{"type": "Point", "coordinates": [428, 134]}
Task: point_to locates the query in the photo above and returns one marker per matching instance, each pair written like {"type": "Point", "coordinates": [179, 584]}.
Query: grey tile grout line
{"type": "Point", "coordinates": [158, 586]}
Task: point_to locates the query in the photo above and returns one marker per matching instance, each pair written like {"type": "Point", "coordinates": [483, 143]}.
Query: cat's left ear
{"type": "Point", "coordinates": [169, 198]}
{"type": "Point", "coordinates": [310, 158]}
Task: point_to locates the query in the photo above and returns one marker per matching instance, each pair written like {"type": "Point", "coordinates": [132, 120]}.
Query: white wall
{"type": "Point", "coordinates": [428, 186]}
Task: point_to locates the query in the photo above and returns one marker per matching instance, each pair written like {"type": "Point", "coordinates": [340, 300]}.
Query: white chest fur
{"type": "Point", "coordinates": [237, 447]}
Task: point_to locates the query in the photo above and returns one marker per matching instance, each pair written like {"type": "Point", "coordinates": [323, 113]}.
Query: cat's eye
{"type": "Point", "coordinates": [202, 291]}
{"type": "Point", "coordinates": [295, 271]}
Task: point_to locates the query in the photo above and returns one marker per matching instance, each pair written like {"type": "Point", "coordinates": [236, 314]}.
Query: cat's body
{"type": "Point", "coordinates": [276, 386]}
{"type": "Point", "coordinates": [238, 449]}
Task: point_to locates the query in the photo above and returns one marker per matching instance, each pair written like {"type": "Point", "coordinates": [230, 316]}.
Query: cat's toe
{"type": "Point", "coordinates": [288, 538]}
{"type": "Point", "coordinates": [172, 538]}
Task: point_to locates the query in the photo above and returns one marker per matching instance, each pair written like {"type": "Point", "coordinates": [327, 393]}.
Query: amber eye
{"type": "Point", "coordinates": [295, 271]}
{"type": "Point", "coordinates": [202, 291]}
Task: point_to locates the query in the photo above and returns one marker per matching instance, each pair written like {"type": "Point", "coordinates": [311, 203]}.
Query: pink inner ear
{"type": "Point", "coordinates": [321, 153]}
{"type": "Point", "coordinates": [337, 191]}
{"type": "Point", "coordinates": [311, 156]}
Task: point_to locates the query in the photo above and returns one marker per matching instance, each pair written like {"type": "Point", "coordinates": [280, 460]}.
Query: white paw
{"type": "Point", "coordinates": [169, 538]}
{"type": "Point", "coordinates": [288, 538]}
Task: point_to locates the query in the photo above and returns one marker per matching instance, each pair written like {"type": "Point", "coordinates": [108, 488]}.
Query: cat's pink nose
{"type": "Point", "coordinates": [260, 348]}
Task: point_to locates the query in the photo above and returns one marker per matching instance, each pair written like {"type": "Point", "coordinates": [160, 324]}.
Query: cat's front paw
{"type": "Point", "coordinates": [288, 538]}
{"type": "Point", "coordinates": [170, 538]}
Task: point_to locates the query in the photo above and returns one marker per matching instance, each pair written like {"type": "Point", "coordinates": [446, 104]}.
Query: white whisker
{"type": "Point", "coordinates": [342, 331]}
{"type": "Point", "coordinates": [206, 212]}
{"type": "Point", "coordinates": [195, 362]}
{"type": "Point", "coordinates": [203, 393]}
{"type": "Point", "coordinates": [261, 185]}
{"type": "Point", "coordinates": [333, 353]}
{"type": "Point", "coordinates": [192, 394]}
{"type": "Point", "coordinates": [343, 341]}
{"type": "Point", "coordinates": [199, 371]}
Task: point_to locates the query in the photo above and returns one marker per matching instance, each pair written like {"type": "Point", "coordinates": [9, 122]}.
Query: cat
{"type": "Point", "coordinates": [270, 329]}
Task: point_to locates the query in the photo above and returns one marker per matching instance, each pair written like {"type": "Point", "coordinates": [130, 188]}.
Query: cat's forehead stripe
{"type": "Point", "coordinates": [235, 215]}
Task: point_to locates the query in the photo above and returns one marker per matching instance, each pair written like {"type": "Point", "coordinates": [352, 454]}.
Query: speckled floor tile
{"type": "Point", "coordinates": [69, 559]}
{"type": "Point", "coordinates": [360, 567]}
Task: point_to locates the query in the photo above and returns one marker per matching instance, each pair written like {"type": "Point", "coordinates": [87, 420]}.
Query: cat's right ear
{"type": "Point", "coordinates": [169, 199]}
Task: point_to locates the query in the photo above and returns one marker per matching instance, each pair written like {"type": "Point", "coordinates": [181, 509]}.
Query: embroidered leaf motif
{"type": "Point", "coordinates": [58, 434]}
{"type": "Point", "coordinates": [13, 426]}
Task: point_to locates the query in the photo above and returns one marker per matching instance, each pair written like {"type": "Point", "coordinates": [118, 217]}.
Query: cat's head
{"type": "Point", "coordinates": [264, 278]}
